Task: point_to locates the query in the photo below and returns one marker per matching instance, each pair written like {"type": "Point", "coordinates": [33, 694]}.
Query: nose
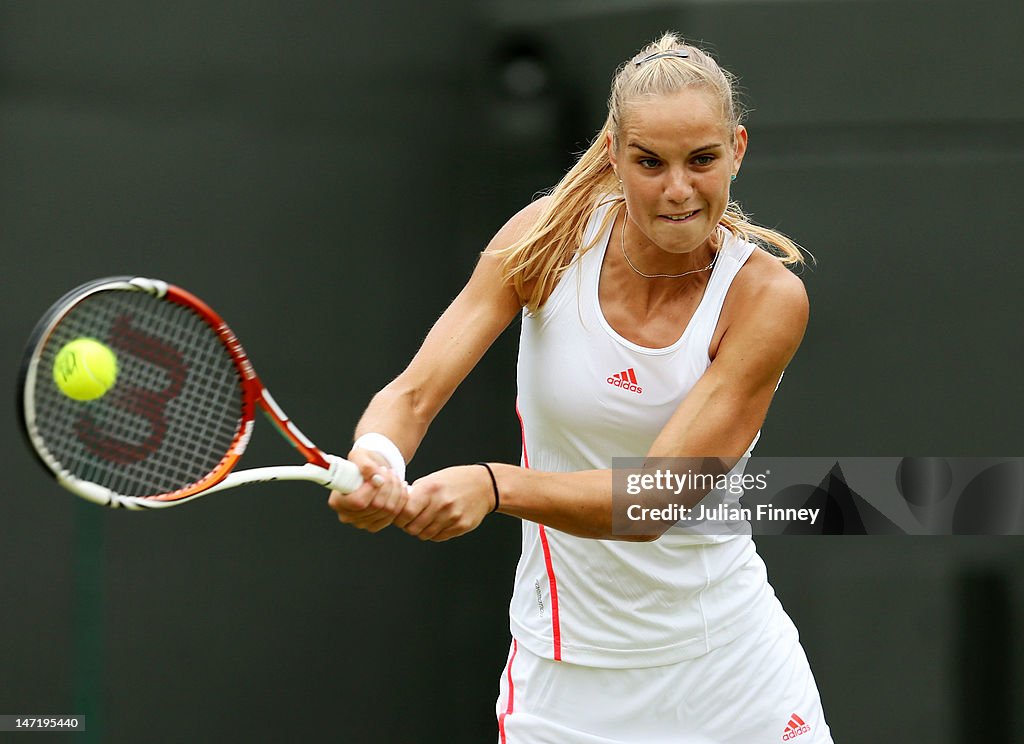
{"type": "Point", "coordinates": [678, 187]}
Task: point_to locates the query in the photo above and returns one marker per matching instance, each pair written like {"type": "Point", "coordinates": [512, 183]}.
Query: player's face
{"type": "Point", "coordinates": [676, 155]}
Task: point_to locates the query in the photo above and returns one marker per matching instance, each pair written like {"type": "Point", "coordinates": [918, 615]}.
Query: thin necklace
{"type": "Point", "coordinates": [622, 244]}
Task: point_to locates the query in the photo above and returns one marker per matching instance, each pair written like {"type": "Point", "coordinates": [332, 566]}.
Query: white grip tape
{"type": "Point", "coordinates": [345, 476]}
{"type": "Point", "coordinates": [383, 446]}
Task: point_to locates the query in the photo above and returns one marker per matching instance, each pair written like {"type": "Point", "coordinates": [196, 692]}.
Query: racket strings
{"type": "Point", "coordinates": [174, 412]}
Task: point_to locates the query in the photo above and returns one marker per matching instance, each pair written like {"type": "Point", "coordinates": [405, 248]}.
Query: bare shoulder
{"type": "Point", "coordinates": [488, 285]}
{"type": "Point", "coordinates": [766, 284]}
{"type": "Point", "coordinates": [518, 225]}
{"type": "Point", "coordinates": [767, 304]}
{"type": "Point", "coordinates": [491, 262]}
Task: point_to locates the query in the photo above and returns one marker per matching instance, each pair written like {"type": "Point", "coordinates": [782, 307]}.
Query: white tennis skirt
{"type": "Point", "coordinates": [756, 689]}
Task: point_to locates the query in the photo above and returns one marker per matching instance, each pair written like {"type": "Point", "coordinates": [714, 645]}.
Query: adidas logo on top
{"type": "Point", "coordinates": [627, 381]}
{"type": "Point", "coordinates": [795, 728]}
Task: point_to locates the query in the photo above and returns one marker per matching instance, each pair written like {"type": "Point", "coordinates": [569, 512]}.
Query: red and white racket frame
{"type": "Point", "coordinates": [325, 469]}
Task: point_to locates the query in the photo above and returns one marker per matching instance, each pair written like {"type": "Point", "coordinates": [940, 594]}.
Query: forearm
{"type": "Point", "coordinates": [398, 412]}
{"type": "Point", "coordinates": [578, 503]}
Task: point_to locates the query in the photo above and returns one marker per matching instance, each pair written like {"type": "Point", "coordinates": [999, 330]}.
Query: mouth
{"type": "Point", "coordinates": [683, 217]}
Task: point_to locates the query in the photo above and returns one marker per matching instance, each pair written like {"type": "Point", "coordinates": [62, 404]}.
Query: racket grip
{"type": "Point", "coordinates": [345, 476]}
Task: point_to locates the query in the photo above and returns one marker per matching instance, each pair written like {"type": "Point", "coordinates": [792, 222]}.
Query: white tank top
{"type": "Point", "coordinates": [587, 395]}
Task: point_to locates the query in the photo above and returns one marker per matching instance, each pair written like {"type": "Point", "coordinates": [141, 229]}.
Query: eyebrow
{"type": "Point", "coordinates": [692, 152]}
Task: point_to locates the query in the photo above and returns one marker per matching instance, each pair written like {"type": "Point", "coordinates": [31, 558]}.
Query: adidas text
{"type": "Point", "coordinates": [793, 733]}
{"type": "Point", "coordinates": [625, 385]}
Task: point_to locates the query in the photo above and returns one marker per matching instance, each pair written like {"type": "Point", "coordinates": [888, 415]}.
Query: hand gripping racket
{"type": "Point", "coordinates": [179, 414]}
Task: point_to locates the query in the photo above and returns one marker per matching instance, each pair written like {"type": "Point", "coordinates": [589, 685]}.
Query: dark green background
{"type": "Point", "coordinates": [324, 174]}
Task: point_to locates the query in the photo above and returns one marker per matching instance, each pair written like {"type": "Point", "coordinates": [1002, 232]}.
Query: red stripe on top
{"type": "Point", "coordinates": [511, 692]}
{"type": "Point", "coordinates": [556, 629]}
{"type": "Point", "coordinates": [522, 435]}
{"type": "Point", "coordinates": [798, 719]}
{"type": "Point", "coordinates": [632, 375]}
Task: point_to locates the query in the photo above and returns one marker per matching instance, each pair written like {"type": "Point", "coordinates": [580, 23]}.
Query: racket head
{"type": "Point", "coordinates": [179, 414]}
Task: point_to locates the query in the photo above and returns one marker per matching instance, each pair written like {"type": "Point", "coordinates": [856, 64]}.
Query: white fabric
{"type": "Point", "coordinates": [383, 446]}
{"type": "Point", "coordinates": [621, 604]}
{"type": "Point", "coordinates": [757, 689]}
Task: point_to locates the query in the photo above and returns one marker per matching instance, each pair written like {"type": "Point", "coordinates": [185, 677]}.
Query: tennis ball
{"type": "Point", "coordinates": [85, 369]}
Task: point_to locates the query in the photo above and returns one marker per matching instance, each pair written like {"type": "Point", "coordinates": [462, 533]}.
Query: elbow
{"type": "Point", "coordinates": [411, 399]}
{"type": "Point", "coordinates": [638, 538]}
{"type": "Point", "coordinates": [643, 533]}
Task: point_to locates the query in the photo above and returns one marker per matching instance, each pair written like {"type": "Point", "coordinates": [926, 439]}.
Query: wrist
{"type": "Point", "coordinates": [509, 479]}
{"type": "Point", "coordinates": [494, 487]}
{"type": "Point", "coordinates": [375, 442]}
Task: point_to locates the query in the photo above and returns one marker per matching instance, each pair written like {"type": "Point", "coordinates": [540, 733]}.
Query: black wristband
{"type": "Point", "coordinates": [494, 484]}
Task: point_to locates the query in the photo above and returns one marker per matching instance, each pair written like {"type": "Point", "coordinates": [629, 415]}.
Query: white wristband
{"type": "Point", "coordinates": [383, 446]}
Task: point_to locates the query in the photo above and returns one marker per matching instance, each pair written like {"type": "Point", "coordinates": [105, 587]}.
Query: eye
{"type": "Point", "coordinates": [648, 163]}
{"type": "Point", "coordinates": [704, 160]}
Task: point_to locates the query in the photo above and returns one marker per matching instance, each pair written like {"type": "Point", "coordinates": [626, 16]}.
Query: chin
{"type": "Point", "coordinates": [684, 238]}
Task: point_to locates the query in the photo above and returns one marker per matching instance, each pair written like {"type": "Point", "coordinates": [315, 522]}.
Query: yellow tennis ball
{"type": "Point", "coordinates": [85, 369]}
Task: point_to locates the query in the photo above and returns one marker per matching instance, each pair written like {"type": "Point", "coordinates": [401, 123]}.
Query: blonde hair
{"type": "Point", "coordinates": [540, 257]}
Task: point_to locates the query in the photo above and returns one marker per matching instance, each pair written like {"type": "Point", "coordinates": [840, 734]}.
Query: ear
{"type": "Point", "coordinates": [609, 142]}
{"type": "Point", "coordinates": [740, 147]}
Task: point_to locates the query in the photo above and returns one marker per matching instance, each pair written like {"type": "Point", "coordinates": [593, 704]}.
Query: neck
{"type": "Point", "coordinates": [648, 261]}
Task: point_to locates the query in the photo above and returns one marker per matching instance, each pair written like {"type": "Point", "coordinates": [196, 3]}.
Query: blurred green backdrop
{"type": "Point", "coordinates": [324, 175]}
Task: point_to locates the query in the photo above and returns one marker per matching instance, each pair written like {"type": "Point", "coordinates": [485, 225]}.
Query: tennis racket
{"type": "Point", "coordinates": [179, 414]}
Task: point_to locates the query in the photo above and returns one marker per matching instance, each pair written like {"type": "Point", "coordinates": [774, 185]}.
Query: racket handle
{"type": "Point", "coordinates": [345, 476]}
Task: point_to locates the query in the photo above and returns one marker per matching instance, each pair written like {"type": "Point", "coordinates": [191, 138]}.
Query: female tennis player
{"type": "Point", "coordinates": [657, 321]}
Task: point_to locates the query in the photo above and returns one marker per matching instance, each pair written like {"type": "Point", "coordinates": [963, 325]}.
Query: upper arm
{"type": "Point", "coordinates": [728, 404]}
{"type": "Point", "coordinates": [468, 327]}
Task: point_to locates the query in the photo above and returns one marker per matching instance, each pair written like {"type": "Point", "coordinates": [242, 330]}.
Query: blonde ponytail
{"type": "Point", "coordinates": [537, 260]}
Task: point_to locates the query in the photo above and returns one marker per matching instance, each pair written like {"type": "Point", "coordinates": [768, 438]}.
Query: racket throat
{"type": "Point", "coordinates": [290, 431]}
